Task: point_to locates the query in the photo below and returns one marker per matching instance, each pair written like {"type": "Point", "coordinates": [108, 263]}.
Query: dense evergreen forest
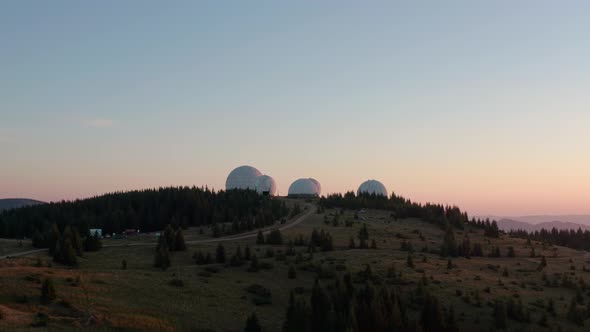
{"type": "Point", "coordinates": [147, 210]}
{"type": "Point", "coordinates": [575, 239]}
{"type": "Point", "coordinates": [400, 207]}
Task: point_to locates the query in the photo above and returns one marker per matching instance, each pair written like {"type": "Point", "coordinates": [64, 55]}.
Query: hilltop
{"type": "Point", "coordinates": [13, 203]}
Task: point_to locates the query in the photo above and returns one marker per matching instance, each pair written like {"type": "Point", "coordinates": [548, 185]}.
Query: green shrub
{"type": "Point", "coordinates": [40, 320]}
{"type": "Point", "coordinates": [176, 283]}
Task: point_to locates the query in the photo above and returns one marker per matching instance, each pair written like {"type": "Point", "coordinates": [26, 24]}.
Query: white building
{"type": "Point", "coordinates": [97, 231]}
{"type": "Point", "coordinates": [266, 185]}
{"type": "Point", "coordinates": [372, 187]}
{"type": "Point", "coordinates": [243, 177]}
{"type": "Point", "coordinates": [305, 188]}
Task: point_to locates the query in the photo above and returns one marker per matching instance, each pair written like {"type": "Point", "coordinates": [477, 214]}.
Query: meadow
{"type": "Point", "coordinates": [103, 294]}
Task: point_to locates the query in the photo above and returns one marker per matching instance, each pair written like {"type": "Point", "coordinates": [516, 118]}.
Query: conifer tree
{"type": "Point", "coordinates": [179, 244]}
{"type": "Point", "coordinates": [66, 254]}
{"type": "Point", "coordinates": [500, 315]}
{"type": "Point", "coordinates": [54, 239]}
{"type": "Point", "coordinates": [169, 236]}
{"type": "Point", "coordinates": [247, 254]}
{"type": "Point", "coordinates": [297, 317]}
{"type": "Point", "coordinates": [551, 307]}
{"type": "Point", "coordinates": [543, 263]}
{"type": "Point", "coordinates": [363, 233]}
{"type": "Point", "coordinates": [511, 252]}
{"type": "Point", "coordinates": [292, 274]}
{"type": "Point", "coordinates": [48, 293]}
{"type": "Point", "coordinates": [92, 242]}
{"type": "Point", "coordinates": [432, 316]}
{"type": "Point", "coordinates": [260, 238]}
{"type": "Point", "coordinates": [162, 255]}
{"type": "Point", "coordinates": [220, 254]}
{"type": "Point", "coordinates": [575, 315]}
{"type": "Point", "coordinates": [410, 262]}
{"type": "Point", "coordinates": [77, 242]}
{"type": "Point", "coordinates": [451, 322]}
{"type": "Point", "coordinates": [320, 309]}
{"type": "Point", "coordinates": [351, 244]}
{"type": "Point", "coordinates": [449, 246]}
{"type": "Point", "coordinates": [252, 324]}
{"type": "Point", "coordinates": [253, 264]}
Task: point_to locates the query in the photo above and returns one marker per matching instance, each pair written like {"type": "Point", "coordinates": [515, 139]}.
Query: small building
{"type": "Point", "coordinates": [130, 231]}
{"type": "Point", "coordinates": [97, 231]}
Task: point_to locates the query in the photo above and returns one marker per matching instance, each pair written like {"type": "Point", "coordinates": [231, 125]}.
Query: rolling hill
{"type": "Point", "coordinates": [508, 224]}
{"type": "Point", "coordinates": [14, 203]}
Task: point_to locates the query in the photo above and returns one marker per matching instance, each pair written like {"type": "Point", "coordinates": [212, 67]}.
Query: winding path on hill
{"type": "Point", "coordinates": [308, 211]}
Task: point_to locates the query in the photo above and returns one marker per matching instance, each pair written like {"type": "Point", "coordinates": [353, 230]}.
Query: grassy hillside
{"type": "Point", "coordinates": [100, 295]}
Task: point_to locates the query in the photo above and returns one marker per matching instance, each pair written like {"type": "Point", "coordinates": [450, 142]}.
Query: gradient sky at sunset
{"type": "Point", "coordinates": [481, 104]}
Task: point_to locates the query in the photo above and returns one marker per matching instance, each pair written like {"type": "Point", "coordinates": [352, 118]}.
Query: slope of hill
{"type": "Point", "coordinates": [14, 203]}
{"type": "Point", "coordinates": [403, 270]}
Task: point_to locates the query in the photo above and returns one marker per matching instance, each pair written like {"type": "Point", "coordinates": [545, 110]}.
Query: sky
{"type": "Point", "coordinates": [483, 104]}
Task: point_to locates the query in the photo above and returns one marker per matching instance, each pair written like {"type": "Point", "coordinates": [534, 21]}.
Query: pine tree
{"type": "Point", "coordinates": [77, 242]}
{"type": "Point", "coordinates": [574, 315]}
{"type": "Point", "coordinates": [179, 244]}
{"type": "Point", "coordinates": [477, 250]}
{"type": "Point", "coordinates": [432, 316]}
{"type": "Point", "coordinates": [54, 239]}
{"type": "Point", "coordinates": [292, 274]}
{"type": "Point", "coordinates": [92, 243]}
{"type": "Point", "coordinates": [551, 307]}
{"type": "Point", "coordinates": [48, 293]}
{"type": "Point", "coordinates": [363, 234]}
{"type": "Point", "coordinates": [67, 254]}
{"type": "Point", "coordinates": [253, 264]}
{"type": "Point", "coordinates": [320, 309]}
{"type": "Point", "coordinates": [260, 238]}
{"type": "Point", "coordinates": [451, 322]}
{"type": "Point", "coordinates": [169, 236]}
{"type": "Point", "coordinates": [220, 254]}
{"type": "Point", "coordinates": [543, 321]}
{"type": "Point", "coordinates": [297, 316]}
{"type": "Point", "coordinates": [511, 252]}
{"type": "Point", "coordinates": [247, 254]}
{"type": "Point", "coordinates": [410, 262]}
{"type": "Point", "coordinates": [500, 315]}
{"type": "Point", "coordinates": [162, 255]}
{"type": "Point", "coordinates": [252, 324]}
{"type": "Point", "coordinates": [449, 246]}
{"type": "Point", "coordinates": [543, 263]}
{"type": "Point", "coordinates": [351, 244]}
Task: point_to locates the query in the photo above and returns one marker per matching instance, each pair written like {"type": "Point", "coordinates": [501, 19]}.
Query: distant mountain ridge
{"type": "Point", "coordinates": [14, 203]}
{"type": "Point", "coordinates": [508, 224]}
{"type": "Point", "coordinates": [581, 219]}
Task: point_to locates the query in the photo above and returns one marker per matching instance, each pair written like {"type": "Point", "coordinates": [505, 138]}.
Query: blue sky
{"type": "Point", "coordinates": [480, 104]}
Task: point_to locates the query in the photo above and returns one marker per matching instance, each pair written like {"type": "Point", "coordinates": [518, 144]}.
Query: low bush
{"type": "Point", "coordinates": [176, 283]}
